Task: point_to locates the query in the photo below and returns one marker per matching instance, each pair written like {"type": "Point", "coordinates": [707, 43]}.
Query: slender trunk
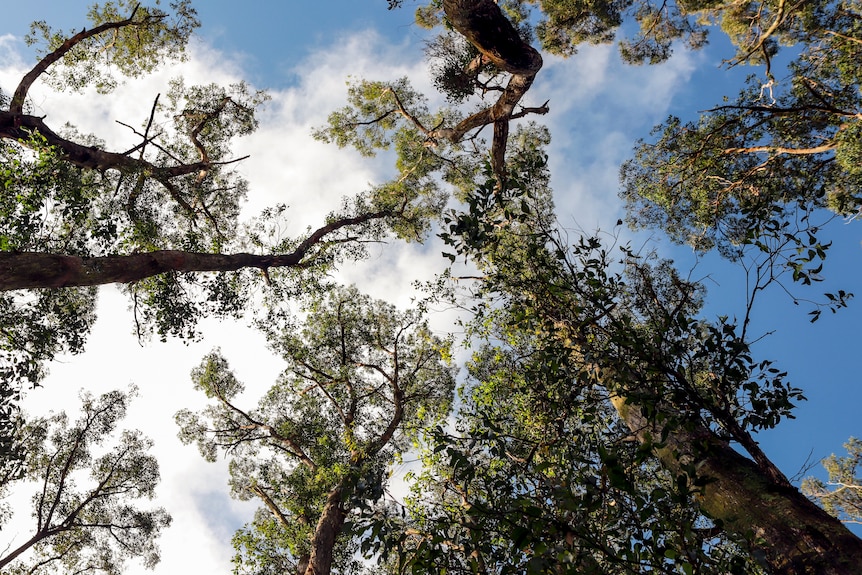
{"type": "Point", "coordinates": [327, 531]}
{"type": "Point", "coordinates": [783, 529]}
{"type": "Point", "coordinates": [40, 536]}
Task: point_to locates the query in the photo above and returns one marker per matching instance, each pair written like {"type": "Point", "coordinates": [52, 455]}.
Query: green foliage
{"type": "Point", "coordinates": [541, 477]}
{"type": "Point", "coordinates": [383, 116]}
{"type": "Point", "coordinates": [362, 380]}
{"type": "Point", "coordinates": [153, 37]}
{"type": "Point", "coordinates": [841, 494]}
{"type": "Point", "coordinates": [537, 433]}
{"type": "Point", "coordinates": [48, 204]}
{"type": "Point", "coordinates": [451, 59]}
{"type": "Point", "coordinates": [777, 153]}
{"type": "Point", "coordinates": [86, 510]}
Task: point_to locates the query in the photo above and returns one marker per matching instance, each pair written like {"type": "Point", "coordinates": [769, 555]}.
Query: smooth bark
{"type": "Point", "coordinates": [783, 529]}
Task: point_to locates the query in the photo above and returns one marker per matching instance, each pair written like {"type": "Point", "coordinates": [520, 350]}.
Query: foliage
{"type": "Point", "coordinates": [575, 333]}
{"type": "Point", "coordinates": [575, 338]}
{"type": "Point", "coordinates": [151, 37]}
{"type": "Point", "coordinates": [85, 509]}
{"type": "Point", "coordinates": [362, 380]}
{"type": "Point", "coordinates": [392, 115]}
{"type": "Point", "coordinates": [841, 494]}
{"type": "Point", "coordinates": [785, 147]}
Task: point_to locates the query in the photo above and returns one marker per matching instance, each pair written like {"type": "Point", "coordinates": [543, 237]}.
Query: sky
{"type": "Point", "coordinates": [303, 57]}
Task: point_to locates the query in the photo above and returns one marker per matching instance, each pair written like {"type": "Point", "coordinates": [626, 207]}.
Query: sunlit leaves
{"type": "Point", "coordinates": [362, 379]}
{"type": "Point", "coordinates": [152, 37]}
{"type": "Point", "coordinates": [780, 150]}
{"type": "Point", "coordinates": [841, 493]}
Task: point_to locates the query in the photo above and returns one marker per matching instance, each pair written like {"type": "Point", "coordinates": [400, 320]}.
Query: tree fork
{"type": "Point", "coordinates": [485, 26]}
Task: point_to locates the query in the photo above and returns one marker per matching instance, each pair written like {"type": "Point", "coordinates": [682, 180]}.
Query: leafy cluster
{"type": "Point", "coordinates": [85, 511]}
{"type": "Point", "coordinates": [782, 149]}
{"type": "Point", "coordinates": [841, 493]}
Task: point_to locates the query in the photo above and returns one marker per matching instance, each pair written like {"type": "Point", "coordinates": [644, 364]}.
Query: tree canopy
{"type": "Point", "coordinates": [604, 425]}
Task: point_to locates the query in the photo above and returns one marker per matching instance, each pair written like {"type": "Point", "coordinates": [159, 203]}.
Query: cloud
{"type": "Point", "coordinates": [599, 106]}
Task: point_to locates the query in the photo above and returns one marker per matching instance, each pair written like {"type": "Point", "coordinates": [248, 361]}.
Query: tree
{"type": "Point", "coordinates": [362, 379]}
{"type": "Point", "coordinates": [159, 214]}
{"type": "Point", "coordinates": [684, 387]}
{"type": "Point", "coordinates": [687, 389]}
{"type": "Point", "coordinates": [651, 355]}
{"type": "Point", "coordinates": [785, 147]}
{"type": "Point", "coordinates": [87, 518]}
{"type": "Point", "coordinates": [840, 495]}
{"type": "Point", "coordinates": [160, 217]}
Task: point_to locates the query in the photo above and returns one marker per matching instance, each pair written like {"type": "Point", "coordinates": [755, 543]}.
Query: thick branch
{"type": "Point", "coordinates": [487, 28]}
{"type": "Point", "coordinates": [19, 128]}
{"type": "Point", "coordinates": [28, 270]}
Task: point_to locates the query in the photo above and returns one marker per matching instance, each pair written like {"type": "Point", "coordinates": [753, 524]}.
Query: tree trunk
{"type": "Point", "coordinates": [490, 31]}
{"type": "Point", "coordinates": [783, 529]}
{"type": "Point", "coordinates": [326, 532]}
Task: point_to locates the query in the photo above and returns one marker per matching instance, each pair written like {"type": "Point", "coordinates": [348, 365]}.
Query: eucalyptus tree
{"type": "Point", "coordinates": [161, 216]}
{"type": "Point", "coordinates": [90, 481]}
{"type": "Point", "coordinates": [362, 379]}
{"type": "Point", "coordinates": [685, 388]}
{"type": "Point", "coordinates": [786, 146]}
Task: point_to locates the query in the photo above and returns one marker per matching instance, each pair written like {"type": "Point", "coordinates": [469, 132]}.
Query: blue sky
{"type": "Point", "coordinates": [304, 55]}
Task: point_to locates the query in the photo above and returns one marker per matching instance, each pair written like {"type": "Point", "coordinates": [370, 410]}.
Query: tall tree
{"type": "Point", "coordinates": [649, 353]}
{"type": "Point", "coordinates": [685, 388]}
{"type": "Point", "coordinates": [362, 379]}
{"type": "Point", "coordinates": [160, 217]}
{"type": "Point", "coordinates": [787, 145]}
{"type": "Point", "coordinates": [86, 508]}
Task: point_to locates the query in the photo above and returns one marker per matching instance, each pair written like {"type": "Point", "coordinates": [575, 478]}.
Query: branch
{"type": "Point", "coordinates": [30, 270]}
{"type": "Point", "coordinates": [484, 25]}
{"type": "Point", "coordinates": [781, 150]}
{"type": "Point", "coordinates": [270, 504]}
{"type": "Point", "coordinates": [16, 106]}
